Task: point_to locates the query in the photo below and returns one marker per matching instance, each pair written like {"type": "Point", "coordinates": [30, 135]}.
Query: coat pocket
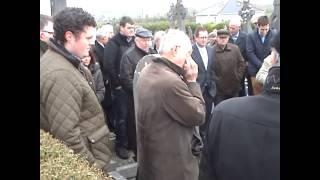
{"type": "Point", "coordinates": [97, 135]}
{"type": "Point", "coordinates": [98, 144]}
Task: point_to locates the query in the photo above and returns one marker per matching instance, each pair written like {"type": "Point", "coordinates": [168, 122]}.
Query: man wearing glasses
{"type": "Point", "coordinates": [203, 56]}
{"type": "Point", "coordinates": [46, 32]}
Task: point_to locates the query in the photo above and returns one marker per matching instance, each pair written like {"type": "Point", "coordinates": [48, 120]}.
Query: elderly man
{"type": "Point", "coordinates": [69, 107]}
{"type": "Point", "coordinates": [228, 67]}
{"type": "Point", "coordinates": [128, 64]}
{"type": "Point", "coordinates": [239, 38]}
{"type": "Point", "coordinates": [46, 32]}
{"type": "Point", "coordinates": [103, 35]}
{"type": "Point", "coordinates": [169, 106]}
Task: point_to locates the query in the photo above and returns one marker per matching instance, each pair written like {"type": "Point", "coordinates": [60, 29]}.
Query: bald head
{"type": "Point", "coordinates": [234, 25]}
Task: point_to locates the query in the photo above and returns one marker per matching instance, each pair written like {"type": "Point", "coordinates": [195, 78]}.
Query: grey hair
{"type": "Point", "coordinates": [101, 32]}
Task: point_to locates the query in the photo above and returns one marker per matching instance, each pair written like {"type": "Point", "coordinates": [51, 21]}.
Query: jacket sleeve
{"type": "Point", "coordinates": [126, 73]}
{"type": "Point", "coordinates": [184, 102]}
{"type": "Point", "coordinates": [63, 103]}
{"type": "Point", "coordinates": [109, 63]}
{"type": "Point", "coordinates": [263, 71]}
{"type": "Point", "coordinates": [250, 49]}
{"type": "Point", "coordinates": [100, 89]}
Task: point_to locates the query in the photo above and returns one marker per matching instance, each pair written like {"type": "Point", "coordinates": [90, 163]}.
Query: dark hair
{"type": "Point", "coordinates": [263, 20]}
{"type": "Point", "coordinates": [124, 20]}
{"type": "Point", "coordinates": [44, 19]}
{"type": "Point", "coordinates": [71, 19]}
{"type": "Point", "coordinates": [275, 42]}
{"type": "Point", "coordinates": [200, 28]}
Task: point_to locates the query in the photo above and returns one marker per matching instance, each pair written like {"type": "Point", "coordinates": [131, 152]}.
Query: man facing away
{"type": "Point", "coordinates": [244, 136]}
{"type": "Point", "coordinates": [169, 106]}
{"type": "Point", "coordinates": [46, 32]}
{"type": "Point", "coordinates": [69, 107]}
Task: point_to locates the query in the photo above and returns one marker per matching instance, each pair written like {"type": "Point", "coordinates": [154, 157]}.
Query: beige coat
{"type": "Point", "coordinates": [168, 109]}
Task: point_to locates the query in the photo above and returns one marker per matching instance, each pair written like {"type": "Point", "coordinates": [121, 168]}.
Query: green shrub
{"type": "Point", "coordinates": [57, 161]}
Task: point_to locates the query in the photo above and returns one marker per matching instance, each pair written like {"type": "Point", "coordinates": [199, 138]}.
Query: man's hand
{"type": "Point", "coordinates": [191, 69]}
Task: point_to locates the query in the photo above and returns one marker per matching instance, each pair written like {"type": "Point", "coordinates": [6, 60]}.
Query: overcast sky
{"type": "Point", "coordinates": [133, 8]}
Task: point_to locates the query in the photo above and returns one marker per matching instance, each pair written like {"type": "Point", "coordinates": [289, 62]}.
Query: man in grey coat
{"type": "Point", "coordinates": [169, 106]}
{"type": "Point", "coordinates": [69, 108]}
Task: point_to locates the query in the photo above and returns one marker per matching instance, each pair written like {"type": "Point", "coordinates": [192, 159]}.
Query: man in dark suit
{"type": "Point", "coordinates": [239, 38]}
{"type": "Point", "coordinates": [202, 55]}
{"type": "Point", "coordinates": [102, 38]}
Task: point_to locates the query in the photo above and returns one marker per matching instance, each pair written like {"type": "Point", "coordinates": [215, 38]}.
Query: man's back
{"type": "Point", "coordinates": [243, 140]}
{"type": "Point", "coordinates": [244, 136]}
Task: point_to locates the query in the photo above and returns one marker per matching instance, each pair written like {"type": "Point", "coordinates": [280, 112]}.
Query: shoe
{"type": "Point", "coordinates": [122, 153]}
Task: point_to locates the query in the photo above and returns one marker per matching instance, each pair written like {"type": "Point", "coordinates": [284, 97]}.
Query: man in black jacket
{"type": "Point", "coordinates": [244, 136]}
{"type": "Point", "coordinates": [128, 65]}
{"type": "Point", "coordinates": [113, 52]}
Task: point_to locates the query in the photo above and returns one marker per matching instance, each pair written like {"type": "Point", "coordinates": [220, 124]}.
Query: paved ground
{"type": "Point", "coordinates": [121, 169]}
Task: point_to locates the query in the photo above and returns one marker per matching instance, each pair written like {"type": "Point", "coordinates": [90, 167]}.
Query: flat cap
{"type": "Point", "coordinates": [223, 32]}
{"type": "Point", "coordinates": [143, 33]}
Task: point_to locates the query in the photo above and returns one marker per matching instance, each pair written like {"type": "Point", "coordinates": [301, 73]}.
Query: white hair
{"type": "Point", "coordinates": [174, 38]}
{"type": "Point", "coordinates": [236, 21]}
{"type": "Point", "coordinates": [101, 32]}
{"type": "Point", "coordinates": [158, 35]}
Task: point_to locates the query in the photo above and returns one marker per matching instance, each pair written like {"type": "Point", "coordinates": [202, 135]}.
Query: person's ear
{"type": "Point", "coordinates": [42, 36]}
{"type": "Point", "coordinates": [68, 36]}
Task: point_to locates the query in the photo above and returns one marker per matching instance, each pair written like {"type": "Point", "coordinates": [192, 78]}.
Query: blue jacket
{"type": "Point", "coordinates": [257, 51]}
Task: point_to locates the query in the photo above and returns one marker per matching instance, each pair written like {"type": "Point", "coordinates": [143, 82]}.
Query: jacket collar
{"type": "Point", "coordinates": [219, 49]}
{"type": "Point", "coordinates": [57, 47]}
{"type": "Point", "coordinates": [171, 65]}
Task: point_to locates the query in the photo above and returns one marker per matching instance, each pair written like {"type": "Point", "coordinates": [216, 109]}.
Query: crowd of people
{"type": "Point", "coordinates": [182, 108]}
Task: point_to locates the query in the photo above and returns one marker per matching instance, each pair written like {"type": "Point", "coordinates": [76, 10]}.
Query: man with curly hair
{"type": "Point", "coordinates": [69, 108]}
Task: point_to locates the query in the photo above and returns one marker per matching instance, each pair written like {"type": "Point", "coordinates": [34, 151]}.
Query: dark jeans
{"type": "Point", "coordinates": [131, 128]}
{"type": "Point", "coordinates": [120, 103]}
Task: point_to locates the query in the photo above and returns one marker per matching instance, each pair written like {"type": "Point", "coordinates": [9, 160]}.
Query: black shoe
{"type": "Point", "coordinates": [122, 153]}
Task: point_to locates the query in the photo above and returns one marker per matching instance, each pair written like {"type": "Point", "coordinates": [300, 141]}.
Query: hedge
{"type": "Point", "coordinates": [57, 161]}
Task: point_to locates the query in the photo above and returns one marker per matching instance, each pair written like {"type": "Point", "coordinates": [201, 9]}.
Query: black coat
{"type": "Point", "coordinates": [98, 80]}
{"type": "Point", "coordinates": [241, 42]}
{"type": "Point", "coordinates": [257, 51]}
{"type": "Point", "coordinates": [98, 50]}
{"type": "Point", "coordinates": [206, 81]}
{"type": "Point", "coordinates": [243, 141]}
{"type": "Point", "coordinates": [128, 65]}
{"type": "Point", "coordinates": [113, 52]}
